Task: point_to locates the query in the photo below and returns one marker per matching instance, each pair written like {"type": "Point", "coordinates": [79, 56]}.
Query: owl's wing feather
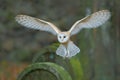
{"type": "Point", "coordinates": [35, 23]}
{"type": "Point", "coordinates": [72, 49]}
{"type": "Point", "coordinates": [92, 21]}
{"type": "Point", "coordinates": [61, 50]}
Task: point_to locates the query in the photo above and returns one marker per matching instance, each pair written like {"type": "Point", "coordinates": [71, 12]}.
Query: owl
{"type": "Point", "coordinates": [67, 48]}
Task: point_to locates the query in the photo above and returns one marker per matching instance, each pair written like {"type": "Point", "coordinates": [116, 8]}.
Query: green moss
{"type": "Point", "coordinates": [59, 72]}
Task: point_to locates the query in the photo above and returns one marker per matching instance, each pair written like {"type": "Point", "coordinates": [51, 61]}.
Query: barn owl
{"type": "Point", "coordinates": [67, 48]}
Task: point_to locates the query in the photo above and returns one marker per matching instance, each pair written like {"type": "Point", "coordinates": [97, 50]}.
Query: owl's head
{"type": "Point", "coordinates": [63, 37]}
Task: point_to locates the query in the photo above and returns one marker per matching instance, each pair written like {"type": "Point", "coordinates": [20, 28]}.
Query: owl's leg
{"type": "Point", "coordinates": [67, 53]}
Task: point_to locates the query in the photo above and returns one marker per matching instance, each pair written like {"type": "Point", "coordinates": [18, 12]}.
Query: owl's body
{"type": "Point", "coordinates": [67, 48]}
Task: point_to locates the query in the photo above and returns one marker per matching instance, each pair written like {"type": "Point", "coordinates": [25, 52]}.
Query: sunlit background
{"type": "Point", "coordinates": [99, 58]}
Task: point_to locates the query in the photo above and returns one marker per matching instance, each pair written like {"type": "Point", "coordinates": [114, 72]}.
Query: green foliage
{"type": "Point", "coordinates": [47, 52]}
{"type": "Point", "coordinates": [53, 47]}
{"type": "Point", "coordinates": [77, 69]}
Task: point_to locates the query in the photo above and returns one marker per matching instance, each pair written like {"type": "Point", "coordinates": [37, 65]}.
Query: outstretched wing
{"type": "Point", "coordinates": [61, 51]}
{"type": "Point", "coordinates": [72, 49]}
{"type": "Point", "coordinates": [91, 21]}
{"type": "Point", "coordinates": [35, 23]}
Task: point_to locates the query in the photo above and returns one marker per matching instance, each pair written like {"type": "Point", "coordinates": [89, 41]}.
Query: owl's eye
{"type": "Point", "coordinates": [64, 36]}
{"type": "Point", "coordinates": [59, 36]}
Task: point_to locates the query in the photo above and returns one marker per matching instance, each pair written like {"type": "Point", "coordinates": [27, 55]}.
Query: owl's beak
{"type": "Point", "coordinates": [62, 39]}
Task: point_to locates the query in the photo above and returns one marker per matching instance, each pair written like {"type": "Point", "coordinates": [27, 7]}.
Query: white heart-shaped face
{"type": "Point", "coordinates": [63, 37]}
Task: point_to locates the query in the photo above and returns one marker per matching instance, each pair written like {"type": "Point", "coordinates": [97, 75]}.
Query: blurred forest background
{"type": "Point", "coordinates": [99, 58]}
